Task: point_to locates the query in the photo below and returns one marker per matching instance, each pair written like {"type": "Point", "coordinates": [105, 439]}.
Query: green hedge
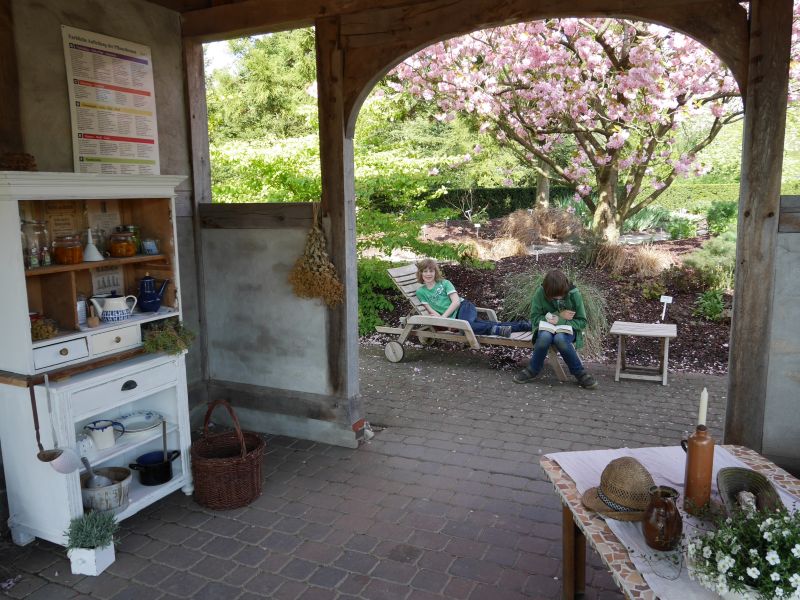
{"type": "Point", "coordinates": [499, 201]}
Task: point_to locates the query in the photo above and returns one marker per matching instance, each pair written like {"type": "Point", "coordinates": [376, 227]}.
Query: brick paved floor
{"type": "Point", "coordinates": [447, 501]}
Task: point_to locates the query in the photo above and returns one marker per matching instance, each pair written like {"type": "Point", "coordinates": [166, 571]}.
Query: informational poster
{"type": "Point", "coordinates": [112, 104]}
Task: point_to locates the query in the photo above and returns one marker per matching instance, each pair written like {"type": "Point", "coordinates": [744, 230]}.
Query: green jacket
{"type": "Point", "coordinates": [540, 306]}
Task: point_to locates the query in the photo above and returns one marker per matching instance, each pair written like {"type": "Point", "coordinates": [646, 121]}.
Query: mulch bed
{"type": "Point", "coordinates": [701, 346]}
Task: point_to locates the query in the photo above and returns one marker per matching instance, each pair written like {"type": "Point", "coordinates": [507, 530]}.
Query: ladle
{"type": "Point", "coordinates": [63, 460]}
{"type": "Point", "coordinates": [94, 481]}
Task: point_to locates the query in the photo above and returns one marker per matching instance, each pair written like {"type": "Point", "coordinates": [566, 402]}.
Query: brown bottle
{"type": "Point", "coordinates": [662, 524]}
{"type": "Point", "coordinates": [699, 464]}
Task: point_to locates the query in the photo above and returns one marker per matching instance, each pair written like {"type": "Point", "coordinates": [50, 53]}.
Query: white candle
{"type": "Point", "coordinates": [701, 416]}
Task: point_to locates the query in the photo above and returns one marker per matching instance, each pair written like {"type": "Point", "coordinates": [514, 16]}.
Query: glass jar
{"type": "Point", "coordinates": [36, 244]}
{"type": "Point", "coordinates": [67, 250]}
{"type": "Point", "coordinates": [134, 230]}
{"type": "Point", "coordinates": [121, 244]}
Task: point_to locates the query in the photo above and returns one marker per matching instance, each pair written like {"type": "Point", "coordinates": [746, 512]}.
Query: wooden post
{"type": "Point", "coordinates": [759, 201]}
{"type": "Point", "coordinates": [10, 126]}
{"type": "Point", "coordinates": [201, 171]}
{"type": "Point", "coordinates": [338, 202]}
{"type": "Point", "coordinates": [573, 557]}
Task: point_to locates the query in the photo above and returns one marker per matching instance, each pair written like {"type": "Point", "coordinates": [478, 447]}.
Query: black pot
{"type": "Point", "coordinates": [153, 469]}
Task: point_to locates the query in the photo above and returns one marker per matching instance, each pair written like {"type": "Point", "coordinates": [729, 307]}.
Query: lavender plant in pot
{"type": "Point", "coordinates": [90, 542]}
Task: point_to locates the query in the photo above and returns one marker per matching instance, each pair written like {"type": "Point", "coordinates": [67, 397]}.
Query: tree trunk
{"type": "Point", "coordinates": [605, 220]}
{"type": "Point", "coordinates": [543, 186]}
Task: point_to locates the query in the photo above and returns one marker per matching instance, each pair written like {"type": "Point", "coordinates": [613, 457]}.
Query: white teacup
{"type": "Point", "coordinates": [104, 432]}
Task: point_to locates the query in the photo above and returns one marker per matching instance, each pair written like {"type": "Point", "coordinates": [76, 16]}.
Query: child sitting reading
{"type": "Point", "coordinates": [439, 297]}
{"type": "Point", "coordinates": [558, 318]}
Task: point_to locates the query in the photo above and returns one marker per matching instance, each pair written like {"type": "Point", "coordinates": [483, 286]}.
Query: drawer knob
{"type": "Point", "coordinates": [64, 351]}
{"type": "Point", "coordinates": [129, 385]}
{"type": "Point", "coordinates": [117, 340]}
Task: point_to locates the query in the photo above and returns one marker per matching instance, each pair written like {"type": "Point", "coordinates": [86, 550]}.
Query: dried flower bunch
{"type": "Point", "coordinates": [755, 552]}
{"type": "Point", "coordinates": [314, 275]}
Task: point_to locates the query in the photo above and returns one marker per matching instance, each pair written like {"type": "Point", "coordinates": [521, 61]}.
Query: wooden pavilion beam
{"type": "Point", "coordinates": [338, 202]}
{"type": "Point", "coordinates": [759, 207]}
{"type": "Point", "coordinates": [376, 40]}
{"type": "Point", "coordinates": [251, 17]}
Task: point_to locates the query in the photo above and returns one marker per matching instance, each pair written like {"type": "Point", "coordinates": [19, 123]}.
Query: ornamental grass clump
{"type": "Point", "coordinates": [314, 275]}
{"type": "Point", "coordinates": [750, 552]}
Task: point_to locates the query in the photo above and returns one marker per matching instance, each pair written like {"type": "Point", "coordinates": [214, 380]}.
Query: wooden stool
{"type": "Point", "coordinates": [664, 332]}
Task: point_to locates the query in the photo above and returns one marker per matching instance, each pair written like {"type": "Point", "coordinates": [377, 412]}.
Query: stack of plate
{"type": "Point", "coordinates": [140, 420]}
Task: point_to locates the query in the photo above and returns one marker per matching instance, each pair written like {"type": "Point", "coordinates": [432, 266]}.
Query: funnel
{"type": "Point", "coordinates": [91, 253]}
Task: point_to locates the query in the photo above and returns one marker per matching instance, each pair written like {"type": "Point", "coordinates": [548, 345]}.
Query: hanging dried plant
{"type": "Point", "coordinates": [314, 275]}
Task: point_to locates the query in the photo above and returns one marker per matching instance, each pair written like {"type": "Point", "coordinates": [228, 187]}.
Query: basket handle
{"type": "Point", "coordinates": [227, 405]}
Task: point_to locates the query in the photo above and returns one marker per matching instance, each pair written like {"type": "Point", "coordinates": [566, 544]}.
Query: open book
{"type": "Point", "coordinates": [554, 329]}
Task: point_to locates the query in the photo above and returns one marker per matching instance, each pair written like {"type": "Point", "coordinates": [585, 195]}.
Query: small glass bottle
{"type": "Point", "coordinates": [35, 239]}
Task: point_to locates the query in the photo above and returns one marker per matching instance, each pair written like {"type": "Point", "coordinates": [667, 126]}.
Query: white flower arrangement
{"type": "Point", "coordinates": [751, 551]}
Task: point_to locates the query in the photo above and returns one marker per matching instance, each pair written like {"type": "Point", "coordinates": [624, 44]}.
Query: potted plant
{"type": "Point", "coordinates": [90, 542]}
{"type": "Point", "coordinates": [751, 554]}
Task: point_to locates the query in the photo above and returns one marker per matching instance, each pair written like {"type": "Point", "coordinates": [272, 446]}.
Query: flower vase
{"type": "Point", "coordinates": [90, 561]}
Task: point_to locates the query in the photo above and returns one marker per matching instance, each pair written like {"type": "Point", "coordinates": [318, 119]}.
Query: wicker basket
{"type": "Point", "coordinates": [227, 466]}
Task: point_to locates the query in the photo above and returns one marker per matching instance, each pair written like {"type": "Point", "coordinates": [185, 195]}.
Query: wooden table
{"type": "Point", "coordinates": [663, 332]}
{"type": "Point", "coordinates": [580, 524]}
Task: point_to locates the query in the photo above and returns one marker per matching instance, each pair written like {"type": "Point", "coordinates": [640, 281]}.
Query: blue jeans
{"type": "Point", "coordinates": [469, 313]}
{"type": "Point", "coordinates": [563, 343]}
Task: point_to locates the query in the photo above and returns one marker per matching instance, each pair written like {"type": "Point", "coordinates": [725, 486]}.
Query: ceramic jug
{"type": "Point", "coordinates": [149, 297]}
{"type": "Point", "coordinates": [113, 309]}
{"type": "Point", "coordinates": [104, 432]}
{"type": "Point", "coordinates": [662, 525]}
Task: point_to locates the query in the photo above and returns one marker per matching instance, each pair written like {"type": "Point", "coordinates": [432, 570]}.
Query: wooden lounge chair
{"type": "Point", "coordinates": [428, 328]}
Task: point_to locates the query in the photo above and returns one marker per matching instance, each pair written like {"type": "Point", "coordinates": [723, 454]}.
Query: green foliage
{"type": "Point", "coordinates": [588, 247]}
{"type": "Point", "coordinates": [716, 260]}
{"type": "Point", "coordinates": [650, 217]}
{"type": "Point", "coordinates": [168, 336]}
{"type": "Point", "coordinates": [566, 201]}
{"type": "Point", "coordinates": [92, 530]}
{"type": "Point", "coordinates": [267, 93]}
{"type": "Point", "coordinates": [696, 197]}
{"type": "Point", "coordinates": [502, 201]}
{"type": "Point", "coordinates": [686, 279]}
{"type": "Point", "coordinates": [518, 293]}
{"type": "Point", "coordinates": [373, 284]}
{"type": "Point", "coordinates": [653, 290]}
{"type": "Point", "coordinates": [709, 305]}
{"type": "Point", "coordinates": [680, 228]}
{"type": "Point", "coordinates": [722, 215]}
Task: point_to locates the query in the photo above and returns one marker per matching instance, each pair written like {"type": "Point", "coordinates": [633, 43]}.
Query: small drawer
{"type": "Point", "coordinates": [116, 391]}
{"type": "Point", "coordinates": [113, 341]}
{"type": "Point", "coordinates": [55, 354]}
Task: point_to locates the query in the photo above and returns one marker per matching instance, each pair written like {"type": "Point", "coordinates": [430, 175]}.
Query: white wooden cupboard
{"type": "Point", "coordinates": [87, 384]}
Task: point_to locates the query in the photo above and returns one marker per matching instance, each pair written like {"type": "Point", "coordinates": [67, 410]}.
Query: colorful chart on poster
{"type": "Point", "coordinates": [112, 104]}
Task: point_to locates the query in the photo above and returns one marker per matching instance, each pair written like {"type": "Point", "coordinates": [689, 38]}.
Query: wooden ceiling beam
{"type": "Point", "coordinates": [251, 17]}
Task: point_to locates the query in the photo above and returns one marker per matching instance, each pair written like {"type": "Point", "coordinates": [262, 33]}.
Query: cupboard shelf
{"type": "Point", "coordinates": [133, 441]}
{"type": "Point", "coordinates": [109, 262]}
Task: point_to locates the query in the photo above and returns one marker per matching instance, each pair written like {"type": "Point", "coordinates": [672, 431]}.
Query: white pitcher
{"type": "Point", "coordinates": [115, 309]}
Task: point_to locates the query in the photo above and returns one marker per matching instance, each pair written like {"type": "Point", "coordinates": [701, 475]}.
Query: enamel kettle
{"type": "Point", "coordinates": [149, 298]}
{"type": "Point", "coordinates": [114, 308]}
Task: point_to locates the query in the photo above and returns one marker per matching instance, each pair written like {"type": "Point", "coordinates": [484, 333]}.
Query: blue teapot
{"type": "Point", "coordinates": [149, 298]}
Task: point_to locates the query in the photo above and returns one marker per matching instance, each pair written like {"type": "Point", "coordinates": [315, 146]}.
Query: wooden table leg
{"type": "Point", "coordinates": [619, 357]}
{"type": "Point", "coordinates": [665, 362]}
{"type": "Point", "coordinates": [573, 556]}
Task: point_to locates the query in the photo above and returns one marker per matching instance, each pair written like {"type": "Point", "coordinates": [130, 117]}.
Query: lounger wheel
{"type": "Point", "coordinates": [394, 351]}
{"type": "Point", "coordinates": [427, 341]}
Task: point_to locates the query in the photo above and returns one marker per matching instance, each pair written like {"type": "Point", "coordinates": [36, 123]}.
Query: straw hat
{"type": "Point", "coordinates": [624, 490]}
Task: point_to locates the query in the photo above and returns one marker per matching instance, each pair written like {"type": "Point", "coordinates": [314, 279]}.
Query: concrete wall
{"type": "Point", "coordinates": [782, 411]}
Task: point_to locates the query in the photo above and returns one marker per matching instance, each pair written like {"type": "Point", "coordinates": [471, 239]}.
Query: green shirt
{"type": "Point", "coordinates": [540, 306]}
{"type": "Point", "coordinates": [438, 297]}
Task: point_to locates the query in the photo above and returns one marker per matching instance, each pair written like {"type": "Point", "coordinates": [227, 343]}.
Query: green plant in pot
{"type": "Point", "coordinates": [168, 336]}
{"type": "Point", "coordinates": [90, 542]}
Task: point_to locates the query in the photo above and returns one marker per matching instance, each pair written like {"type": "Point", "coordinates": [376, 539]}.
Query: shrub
{"type": "Point", "coordinates": [653, 290]}
{"type": "Point", "coordinates": [540, 224]}
{"type": "Point", "coordinates": [721, 216]}
{"type": "Point", "coordinates": [611, 258]}
{"type": "Point", "coordinates": [92, 530]}
{"type": "Point", "coordinates": [680, 228]}
{"type": "Point", "coordinates": [587, 247]}
{"type": "Point", "coordinates": [682, 278]}
{"type": "Point", "coordinates": [373, 283]}
{"type": "Point", "coordinates": [518, 292]}
{"type": "Point", "coordinates": [716, 259]}
{"type": "Point", "coordinates": [650, 217]}
{"type": "Point", "coordinates": [647, 261]}
{"type": "Point", "coordinates": [709, 305]}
